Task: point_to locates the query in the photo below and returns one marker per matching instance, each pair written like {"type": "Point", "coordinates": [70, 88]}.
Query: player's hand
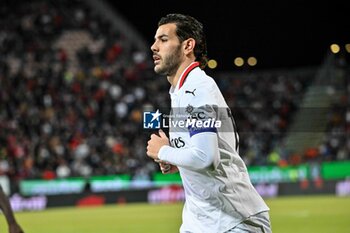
{"type": "Point", "coordinates": [166, 168]}
{"type": "Point", "coordinates": [155, 143]}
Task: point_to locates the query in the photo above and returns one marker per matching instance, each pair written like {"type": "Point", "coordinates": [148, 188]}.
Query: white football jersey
{"type": "Point", "coordinates": [221, 195]}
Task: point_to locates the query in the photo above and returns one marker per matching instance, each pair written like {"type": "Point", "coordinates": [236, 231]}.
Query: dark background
{"type": "Point", "coordinates": [280, 34]}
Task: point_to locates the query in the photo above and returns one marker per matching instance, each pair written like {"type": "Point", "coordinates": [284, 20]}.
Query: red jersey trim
{"type": "Point", "coordinates": [186, 72]}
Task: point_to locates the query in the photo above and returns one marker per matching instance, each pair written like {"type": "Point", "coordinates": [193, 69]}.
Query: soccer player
{"type": "Point", "coordinates": [219, 196]}
{"type": "Point", "coordinates": [5, 206]}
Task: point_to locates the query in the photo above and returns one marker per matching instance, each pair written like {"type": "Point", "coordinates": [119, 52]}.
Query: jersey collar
{"type": "Point", "coordinates": [185, 73]}
{"type": "Point", "coordinates": [183, 76]}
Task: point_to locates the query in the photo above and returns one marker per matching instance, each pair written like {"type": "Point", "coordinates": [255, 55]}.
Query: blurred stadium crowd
{"type": "Point", "coordinates": [73, 91]}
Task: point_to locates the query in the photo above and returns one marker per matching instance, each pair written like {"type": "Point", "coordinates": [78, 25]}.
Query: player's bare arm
{"type": "Point", "coordinates": [5, 207]}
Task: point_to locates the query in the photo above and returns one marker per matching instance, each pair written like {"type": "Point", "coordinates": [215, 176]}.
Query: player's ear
{"type": "Point", "coordinates": [189, 45]}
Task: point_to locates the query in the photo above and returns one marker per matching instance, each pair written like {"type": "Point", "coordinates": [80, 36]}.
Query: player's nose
{"type": "Point", "coordinates": [154, 47]}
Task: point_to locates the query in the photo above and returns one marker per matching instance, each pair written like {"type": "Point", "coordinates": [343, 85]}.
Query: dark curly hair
{"type": "Point", "coordinates": [189, 27]}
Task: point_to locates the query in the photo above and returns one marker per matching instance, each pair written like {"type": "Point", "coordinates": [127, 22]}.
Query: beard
{"type": "Point", "coordinates": [170, 63]}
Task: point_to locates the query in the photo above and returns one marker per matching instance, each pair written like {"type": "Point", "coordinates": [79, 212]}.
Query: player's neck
{"type": "Point", "coordinates": [174, 79]}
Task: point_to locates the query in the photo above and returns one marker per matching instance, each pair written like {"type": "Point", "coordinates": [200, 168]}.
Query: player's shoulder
{"type": "Point", "coordinates": [203, 81]}
{"type": "Point", "coordinates": [201, 89]}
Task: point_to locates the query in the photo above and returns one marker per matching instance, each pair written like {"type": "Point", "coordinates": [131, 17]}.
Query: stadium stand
{"type": "Point", "coordinates": [73, 89]}
{"type": "Point", "coordinates": [72, 94]}
{"type": "Point", "coordinates": [264, 104]}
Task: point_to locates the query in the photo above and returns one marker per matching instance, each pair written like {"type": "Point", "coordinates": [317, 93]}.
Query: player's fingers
{"type": "Point", "coordinates": [164, 167]}
{"type": "Point", "coordinates": [148, 152]}
{"type": "Point", "coordinates": [164, 171]}
{"type": "Point", "coordinates": [162, 134]}
{"type": "Point", "coordinates": [151, 142]}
